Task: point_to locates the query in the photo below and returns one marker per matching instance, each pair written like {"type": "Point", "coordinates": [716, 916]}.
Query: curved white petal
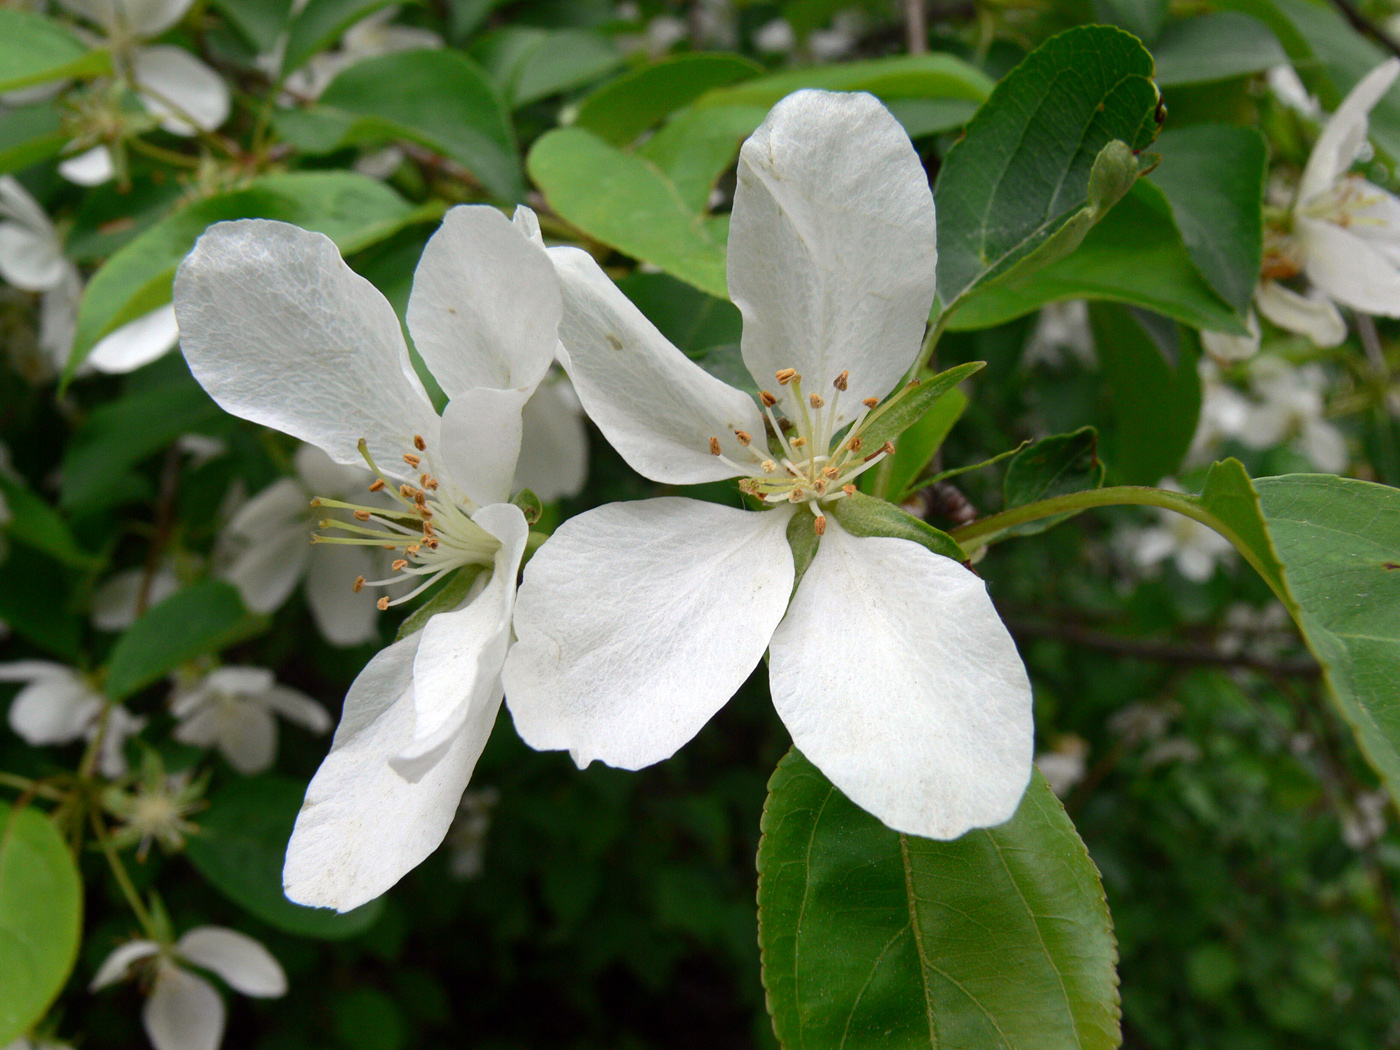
{"type": "Point", "coordinates": [1345, 132]}
{"type": "Point", "coordinates": [897, 678]}
{"type": "Point", "coordinates": [244, 964]}
{"type": "Point", "coordinates": [58, 317]}
{"type": "Point", "coordinates": [33, 670]}
{"type": "Point", "coordinates": [296, 706]}
{"type": "Point", "coordinates": [271, 535]}
{"type": "Point", "coordinates": [184, 1012]}
{"type": "Point", "coordinates": [325, 477]}
{"type": "Point", "coordinates": [90, 168]}
{"type": "Point", "coordinates": [54, 710]}
{"type": "Point", "coordinates": [1313, 316]}
{"type": "Point", "coordinates": [1226, 347]}
{"type": "Point", "coordinates": [31, 253]}
{"type": "Point", "coordinates": [832, 246]}
{"type": "Point", "coordinates": [280, 331]}
{"type": "Point", "coordinates": [136, 343]}
{"type": "Point", "coordinates": [343, 617]}
{"type": "Point", "coordinates": [485, 304]}
{"type": "Point", "coordinates": [480, 443]}
{"type": "Point", "coordinates": [1325, 446]}
{"type": "Point", "coordinates": [363, 826]}
{"type": "Point", "coordinates": [657, 407]}
{"type": "Point", "coordinates": [180, 90]}
{"type": "Point", "coordinates": [637, 621]}
{"type": "Point", "coordinates": [1350, 270]}
{"type": "Point", "coordinates": [115, 967]}
{"type": "Point", "coordinates": [554, 442]}
{"type": "Point", "coordinates": [458, 667]}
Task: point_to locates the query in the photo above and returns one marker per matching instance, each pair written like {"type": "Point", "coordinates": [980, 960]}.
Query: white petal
{"type": "Point", "coordinates": [1314, 317]}
{"type": "Point", "coordinates": [897, 678]}
{"type": "Point", "coordinates": [657, 407]}
{"type": "Point", "coordinates": [116, 605]}
{"type": "Point", "coordinates": [325, 477]}
{"type": "Point", "coordinates": [1348, 269]}
{"type": "Point", "coordinates": [363, 826]}
{"type": "Point", "coordinates": [244, 964]}
{"type": "Point", "coordinates": [637, 621]}
{"type": "Point", "coordinates": [184, 1012]}
{"type": "Point", "coordinates": [832, 245]}
{"type": "Point", "coordinates": [280, 331]}
{"type": "Point", "coordinates": [33, 670]}
{"type": "Point", "coordinates": [150, 18]}
{"type": "Point", "coordinates": [179, 89]}
{"type": "Point", "coordinates": [343, 617]}
{"type": "Point", "coordinates": [1345, 132]}
{"type": "Point", "coordinates": [485, 304]}
{"type": "Point", "coordinates": [136, 343]}
{"type": "Point", "coordinates": [91, 168]}
{"type": "Point", "coordinates": [1326, 446]}
{"type": "Point", "coordinates": [296, 706]}
{"type": "Point", "coordinates": [1153, 546]}
{"type": "Point", "coordinates": [31, 254]}
{"type": "Point", "coordinates": [115, 967]}
{"type": "Point", "coordinates": [269, 565]}
{"type": "Point", "coordinates": [1195, 564]}
{"type": "Point", "coordinates": [54, 710]}
{"type": "Point", "coordinates": [58, 317]}
{"type": "Point", "coordinates": [554, 442]}
{"type": "Point", "coordinates": [527, 222]}
{"type": "Point", "coordinates": [244, 732]}
{"type": "Point", "coordinates": [1225, 347]}
{"type": "Point", "coordinates": [458, 667]}
{"type": "Point", "coordinates": [121, 725]}
{"type": "Point", "coordinates": [480, 443]}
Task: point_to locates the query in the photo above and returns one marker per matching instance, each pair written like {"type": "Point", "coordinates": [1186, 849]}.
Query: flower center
{"type": "Point", "coordinates": [809, 458]}
{"type": "Point", "coordinates": [432, 533]}
{"type": "Point", "coordinates": [1345, 204]}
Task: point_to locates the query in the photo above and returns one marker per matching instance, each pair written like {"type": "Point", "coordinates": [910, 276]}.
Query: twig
{"type": "Point", "coordinates": [916, 26]}
{"type": "Point", "coordinates": [165, 521]}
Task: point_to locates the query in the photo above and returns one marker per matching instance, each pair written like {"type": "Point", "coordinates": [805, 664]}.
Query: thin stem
{"type": "Point", "coordinates": [165, 156]}
{"type": "Point", "coordinates": [916, 26]}
{"type": "Point", "coordinates": [32, 787]}
{"type": "Point", "coordinates": [128, 888]}
{"type": "Point", "coordinates": [94, 748]}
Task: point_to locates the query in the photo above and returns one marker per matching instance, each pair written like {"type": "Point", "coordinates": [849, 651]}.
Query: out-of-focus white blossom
{"type": "Point", "coordinates": [1065, 764]}
{"type": "Point", "coordinates": [59, 705]}
{"type": "Point", "coordinates": [233, 708]}
{"type": "Point", "coordinates": [1366, 821]}
{"type": "Point", "coordinates": [368, 38]}
{"type": "Point", "coordinates": [1289, 90]}
{"type": "Point", "coordinates": [1061, 329]}
{"type": "Point", "coordinates": [122, 598]}
{"type": "Point", "coordinates": [1289, 407]}
{"type": "Point", "coordinates": [1194, 548]}
{"type": "Point", "coordinates": [466, 839]}
{"type": "Point", "coordinates": [775, 37]}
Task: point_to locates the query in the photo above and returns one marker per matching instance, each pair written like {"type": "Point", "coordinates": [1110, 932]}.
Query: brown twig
{"type": "Point", "coordinates": [916, 27]}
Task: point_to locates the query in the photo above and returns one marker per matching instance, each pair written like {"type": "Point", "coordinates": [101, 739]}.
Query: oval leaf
{"type": "Point", "coordinates": [622, 109]}
{"type": "Point", "coordinates": [35, 50]}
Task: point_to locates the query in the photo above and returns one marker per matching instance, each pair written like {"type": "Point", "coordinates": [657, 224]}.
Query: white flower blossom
{"type": "Point", "coordinates": [637, 621]}
{"type": "Point", "coordinates": [368, 38]}
{"type": "Point", "coordinates": [59, 705]}
{"type": "Point", "coordinates": [1195, 549]}
{"type": "Point", "coordinates": [1061, 327]}
{"type": "Point", "coordinates": [232, 709]}
{"type": "Point", "coordinates": [1290, 90]}
{"type": "Point", "coordinates": [776, 37]}
{"type": "Point", "coordinates": [1064, 765]}
{"type": "Point", "coordinates": [281, 332]}
{"type": "Point", "coordinates": [183, 1011]}
{"type": "Point", "coordinates": [118, 603]}
{"type": "Point", "coordinates": [1364, 823]}
{"type": "Point", "coordinates": [1290, 407]}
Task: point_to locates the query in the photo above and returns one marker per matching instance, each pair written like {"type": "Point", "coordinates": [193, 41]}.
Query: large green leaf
{"type": "Point", "coordinates": [41, 914]}
{"type": "Point", "coordinates": [622, 109]}
{"type": "Point", "coordinates": [1214, 47]}
{"type": "Point", "coordinates": [1022, 172]}
{"type": "Point", "coordinates": [696, 146]}
{"type": "Point", "coordinates": [203, 618]}
{"type": "Point", "coordinates": [36, 50]}
{"type": "Point", "coordinates": [240, 851]}
{"type": "Point", "coordinates": [626, 202]}
{"type": "Point", "coordinates": [353, 210]}
{"type": "Point", "coordinates": [35, 523]}
{"type": "Point", "coordinates": [1053, 466]}
{"type": "Point", "coordinates": [260, 21]}
{"type": "Point", "coordinates": [527, 64]}
{"type": "Point", "coordinates": [934, 75]}
{"type": "Point", "coordinates": [998, 940]}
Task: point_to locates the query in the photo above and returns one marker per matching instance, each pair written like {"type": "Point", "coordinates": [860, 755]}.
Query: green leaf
{"type": "Point", "coordinates": [1149, 369]}
{"type": "Point", "coordinates": [693, 321]}
{"type": "Point", "coordinates": [1142, 18]}
{"type": "Point", "coordinates": [1214, 47]}
{"type": "Point", "coordinates": [51, 624]}
{"type": "Point", "coordinates": [241, 849]}
{"type": "Point", "coordinates": [35, 523]}
{"type": "Point", "coordinates": [320, 24]}
{"type": "Point", "coordinates": [353, 210]}
{"type": "Point", "coordinates": [1053, 466]}
{"type": "Point", "coordinates": [441, 100]}
{"type": "Point", "coordinates": [872, 939]}
{"type": "Point", "coordinates": [622, 109]}
{"type": "Point", "coordinates": [863, 515]}
{"type": "Point", "coordinates": [917, 445]}
{"type": "Point", "coordinates": [936, 75]}
{"type": "Point", "coordinates": [696, 146]}
{"type": "Point", "coordinates": [1213, 177]}
{"type": "Point", "coordinates": [205, 617]}
{"type": "Point", "coordinates": [1023, 168]}
{"type": "Point", "coordinates": [626, 202]}
{"type": "Point", "coordinates": [907, 406]}
{"type": "Point", "coordinates": [1135, 255]}
{"type": "Point", "coordinates": [260, 21]}
{"type": "Point", "coordinates": [28, 135]}
{"type": "Point", "coordinates": [931, 116]}
{"type": "Point", "coordinates": [37, 50]}
{"type": "Point", "coordinates": [527, 64]}
{"type": "Point", "coordinates": [41, 916]}
{"type": "Point", "coordinates": [803, 539]}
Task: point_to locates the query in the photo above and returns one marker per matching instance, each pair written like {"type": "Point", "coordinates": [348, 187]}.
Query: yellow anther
{"type": "Point", "coordinates": [383, 604]}
{"type": "Point", "coordinates": [820, 525]}
{"type": "Point", "coordinates": [400, 563]}
{"type": "Point", "coordinates": [841, 381]}
{"type": "Point", "coordinates": [359, 584]}
{"type": "Point", "coordinates": [744, 437]}
{"type": "Point", "coordinates": [362, 515]}
{"type": "Point", "coordinates": [870, 402]}
{"type": "Point", "coordinates": [768, 399]}
{"type": "Point", "coordinates": [411, 459]}
{"type": "Point", "coordinates": [815, 400]}
{"type": "Point", "coordinates": [798, 441]}
{"type": "Point", "coordinates": [849, 490]}
{"type": "Point", "coordinates": [820, 486]}
{"type": "Point", "coordinates": [784, 376]}
{"type": "Point", "coordinates": [419, 443]}
{"type": "Point", "coordinates": [855, 443]}
{"type": "Point", "coordinates": [714, 446]}
{"type": "Point", "coordinates": [376, 484]}
{"type": "Point", "coordinates": [768, 466]}
{"type": "Point", "coordinates": [316, 502]}
{"type": "Point", "coordinates": [796, 495]}
{"type": "Point", "coordinates": [829, 472]}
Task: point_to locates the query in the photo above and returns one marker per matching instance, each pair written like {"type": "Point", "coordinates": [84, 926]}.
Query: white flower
{"type": "Point", "coordinates": [1291, 91]}
{"type": "Point", "coordinates": [1291, 408]}
{"type": "Point", "coordinates": [232, 709]}
{"type": "Point", "coordinates": [1195, 548]}
{"type": "Point", "coordinates": [118, 603]}
{"type": "Point", "coordinates": [1223, 417]}
{"type": "Point", "coordinates": [776, 37]}
{"type": "Point", "coordinates": [280, 331]}
{"type": "Point", "coordinates": [1365, 823]}
{"type": "Point", "coordinates": [184, 1012]}
{"type": "Point", "coordinates": [368, 38]}
{"type": "Point", "coordinates": [31, 258]}
{"type": "Point", "coordinates": [59, 705]}
{"type": "Point", "coordinates": [1064, 766]}
{"type": "Point", "coordinates": [637, 621]}
{"type": "Point", "coordinates": [466, 840]}
{"type": "Point", "coordinates": [1060, 327]}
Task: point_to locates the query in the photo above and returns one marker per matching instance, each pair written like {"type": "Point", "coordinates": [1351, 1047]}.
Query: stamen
{"type": "Point", "coordinates": [768, 399]}
{"type": "Point", "coordinates": [820, 525]}
{"type": "Point", "coordinates": [870, 402]}
{"type": "Point", "coordinates": [714, 446]}
{"type": "Point", "coordinates": [768, 466]}
{"type": "Point", "coordinates": [399, 563]}
{"type": "Point", "coordinates": [360, 515]}
{"type": "Point", "coordinates": [383, 604]}
{"type": "Point", "coordinates": [849, 490]}
{"type": "Point", "coordinates": [419, 443]}
{"type": "Point", "coordinates": [376, 484]}
{"type": "Point", "coordinates": [359, 584]}
{"type": "Point", "coordinates": [816, 400]}
{"type": "Point", "coordinates": [798, 442]}
{"type": "Point", "coordinates": [744, 437]}
{"type": "Point", "coordinates": [841, 381]}
{"type": "Point", "coordinates": [411, 459]}
{"type": "Point", "coordinates": [887, 449]}
{"type": "Point", "coordinates": [784, 376]}
{"type": "Point", "coordinates": [855, 443]}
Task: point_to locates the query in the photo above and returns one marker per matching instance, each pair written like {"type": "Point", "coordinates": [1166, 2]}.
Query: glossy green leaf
{"type": "Point", "coordinates": [998, 940]}
{"type": "Point", "coordinates": [241, 849]}
{"type": "Point", "coordinates": [442, 100]}
{"type": "Point", "coordinates": [622, 109]}
{"type": "Point", "coordinates": [696, 146]}
{"type": "Point", "coordinates": [353, 210]}
{"type": "Point", "coordinates": [41, 916]}
{"type": "Point", "coordinates": [1022, 171]}
{"type": "Point", "coordinates": [936, 75]}
{"type": "Point", "coordinates": [203, 618]}
{"type": "Point", "coordinates": [863, 515]}
{"type": "Point", "coordinates": [320, 24]}
{"type": "Point", "coordinates": [626, 202]}
{"type": "Point", "coordinates": [1214, 47]}
{"type": "Point", "coordinates": [38, 50]}
{"type": "Point", "coordinates": [1213, 177]}
{"type": "Point", "coordinates": [260, 21]}
{"type": "Point", "coordinates": [693, 321]}
{"type": "Point", "coordinates": [51, 624]}
{"type": "Point", "coordinates": [527, 64]}
{"type": "Point", "coordinates": [35, 523]}
{"type": "Point", "coordinates": [909, 404]}
{"type": "Point", "coordinates": [29, 134]}
{"type": "Point", "coordinates": [1149, 370]}
{"type": "Point", "coordinates": [917, 445]}
{"type": "Point", "coordinates": [1053, 466]}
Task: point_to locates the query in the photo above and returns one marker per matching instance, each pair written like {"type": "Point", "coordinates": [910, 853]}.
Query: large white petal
{"type": "Point", "coordinates": [242, 962]}
{"type": "Point", "coordinates": [184, 1012]}
{"type": "Point", "coordinates": [898, 680]}
{"type": "Point", "coordinates": [180, 90]}
{"type": "Point", "coordinates": [115, 967]}
{"type": "Point", "coordinates": [90, 168]}
{"type": "Point", "coordinates": [657, 407]}
{"type": "Point", "coordinates": [832, 246]}
{"type": "Point", "coordinates": [272, 538]}
{"type": "Point", "coordinates": [54, 710]}
{"type": "Point", "coordinates": [280, 331]}
{"type": "Point", "coordinates": [637, 621]}
{"type": "Point", "coordinates": [1313, 316]}
{"type": "Point", "coordinates": [485, 304]}
{"type": "Point", "coordinates": [554, 442]}
{"type": "Point", "coordinates": [342, 616]}
{"type": "Point", "coordinates": [136, 343]}
{"type": "Point", "coordinates": [1349, 269]}
{"type": "Point", "coordinates": [33, 670]}
{"type": "Point", "coordinates": [363, 826]}
{"type": "Point", "coordinates": [31, 254]}
{"type": "Point", "coordinates": [480, 443]}
{"type": "Point", "coordinates": [325, 477]}
{"type": "Point", "coordinates": [1345, 132]}
{"type": "Point", "coordinates": [458, 668]}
